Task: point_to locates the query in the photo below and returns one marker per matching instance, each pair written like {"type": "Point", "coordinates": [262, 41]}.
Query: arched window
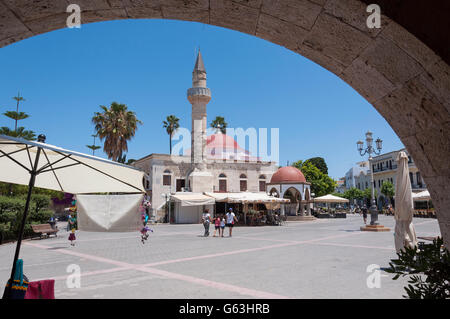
{"type": "Point", "coordinates": [262, 176]}
{"type": "Point", "coordinates": [222, 175]}
{"type": "Point", "coordinates": [243, 176]}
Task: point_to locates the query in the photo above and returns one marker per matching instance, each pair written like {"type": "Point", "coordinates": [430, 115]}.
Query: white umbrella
{"type": "Point", "coordinates": [330, 199]}
{"type": "Point", "coordinates": [47, 166]}
{"type": "Point", "coordinates": [405, 234]}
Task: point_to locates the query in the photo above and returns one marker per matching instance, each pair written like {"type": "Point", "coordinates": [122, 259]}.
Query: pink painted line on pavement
{"type": "Point", "coordinates": [215, 284]}
{"type": "Point", "coordinates": [171, 275]}
{"type": "Point", "coordinates": [234, 252]}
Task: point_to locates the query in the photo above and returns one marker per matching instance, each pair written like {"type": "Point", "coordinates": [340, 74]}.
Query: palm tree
{"type": "Point", "coordinates": [116, 125]}
{"type": "Point", "coordinates": [219, 124]}
{"type": "Point", "coordinates": [171, 125]}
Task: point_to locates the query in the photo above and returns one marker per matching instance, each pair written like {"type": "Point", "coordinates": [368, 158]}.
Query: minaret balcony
{"type": "Point", "coordinates": [199, 91]}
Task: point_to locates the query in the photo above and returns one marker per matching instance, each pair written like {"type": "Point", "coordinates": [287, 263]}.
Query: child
{"type": "Point", "coordinates": [72, 237]}
{"type": "Point", "coordinates": [217, 226]}
{"type": "Point", "coordinates": [222, 226]}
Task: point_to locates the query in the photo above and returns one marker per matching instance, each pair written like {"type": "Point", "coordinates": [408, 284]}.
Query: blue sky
{"type": "Point", "coordinates": [66, 74]}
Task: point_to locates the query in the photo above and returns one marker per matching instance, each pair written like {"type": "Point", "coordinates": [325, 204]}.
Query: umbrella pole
{"type": "Point", "coordinates": [33, 174]}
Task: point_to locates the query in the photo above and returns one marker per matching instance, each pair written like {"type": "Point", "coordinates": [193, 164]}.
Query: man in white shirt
{"type": "Point", "coordinates": [231, 218]}
{"type": "Point", "coordinates": [206, 218]}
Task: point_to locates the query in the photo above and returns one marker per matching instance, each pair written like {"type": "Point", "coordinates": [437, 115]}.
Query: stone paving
{"type": "Point", "coordinates": [322, 259]}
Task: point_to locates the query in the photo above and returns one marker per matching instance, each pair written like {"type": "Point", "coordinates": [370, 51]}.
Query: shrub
{"type": "Point", "coordinates": [431, 261]}
{"type": "Point", "coordinates": [11, 212]}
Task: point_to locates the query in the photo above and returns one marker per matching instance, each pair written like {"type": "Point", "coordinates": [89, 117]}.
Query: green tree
{"type": "Point", "coordinates": [353, 193]}
{"type": "Point", "coordinates": [387, 189]}
{"type": "Point", "coordinates": [219, 124]}
{"type": "Point", "coordinates": [319, 162]}
{"type": "Point", "coordinates": [321, 184]}
{"type": "Point", "coordinates": [20, 132]}
{"type": "Point", "coordinates": [116, 125]}
{"type": "Point", "coordinates": [93, 147]}
{"type": "Point", "coordinates": [171, 124]}
{"type": "Point", "coordinates": [18, 116]}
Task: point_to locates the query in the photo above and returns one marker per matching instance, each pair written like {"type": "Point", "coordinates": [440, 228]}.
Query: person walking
{"type": "Point", "coordinates": [364, 213]}
{"type": "Point", "coordinates": [217, 225]}
{"type": "Point", "coordinates": [206, 218]}
{"type": "Point", "coordinates": [358, 210]}
{"type": "Point", "coordinates": [68, 222]}
{"type": "Point", "coordinates": [222, 225]}
{"type": "Point", "coordinates": [231, 218]}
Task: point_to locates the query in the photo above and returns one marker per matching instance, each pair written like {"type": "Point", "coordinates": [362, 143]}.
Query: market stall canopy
{"type": "Point", "coordinates": [422, 196]}
{"type": "Point", "coordinates": [63, 170]}
{"type": "Point", "coordinates": [246, 197]}
{"type": "Point", "coordinates": [330, 199]}
{"type": "Point", "coordinates": [193, 199]}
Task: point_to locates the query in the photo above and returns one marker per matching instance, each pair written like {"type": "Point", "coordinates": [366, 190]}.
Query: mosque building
{"type": "Point", "coordinates": [214, 164]}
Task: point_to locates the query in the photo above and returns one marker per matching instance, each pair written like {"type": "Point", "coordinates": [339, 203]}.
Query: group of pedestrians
{"type": "Point", "coordinates": [220, 222]}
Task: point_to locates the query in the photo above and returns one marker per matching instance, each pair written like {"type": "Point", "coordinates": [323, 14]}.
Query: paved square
{"type": "Point", "coordinates": [326, 258]}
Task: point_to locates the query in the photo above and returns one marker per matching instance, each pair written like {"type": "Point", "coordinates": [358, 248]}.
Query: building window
{"type": "Point", "coordinates": [418, 179]}
{"type": "Point", "coordinates": [262, 186]}
{"type": "Point", "coordinates": [180, 184]}
{"type": "Point", "coordinates": [243, 176]}
{"type": "Point", "coordinates": [411, 177]}
{"type": "Point", "coordinates": [243, 185]}
{"type": "Point", "coordinates": [167, 178]}
{"type": "Point", "coordinates": [222, 185]}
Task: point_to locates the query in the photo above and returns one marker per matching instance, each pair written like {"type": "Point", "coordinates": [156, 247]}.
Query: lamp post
{"type": "Point", "coordinates": [371, 150]}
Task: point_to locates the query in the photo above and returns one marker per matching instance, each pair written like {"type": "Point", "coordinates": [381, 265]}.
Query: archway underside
{"type": "Point", "coordinates": [398, 74]}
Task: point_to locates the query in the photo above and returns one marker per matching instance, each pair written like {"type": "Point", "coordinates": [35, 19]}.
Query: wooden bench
{"type": "Point", "coordinates": [46, 229]}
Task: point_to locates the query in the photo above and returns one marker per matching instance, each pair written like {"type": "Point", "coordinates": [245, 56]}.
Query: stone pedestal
{"type": "Point", "coordinates": [201, 181]}
{"type": "Point", "coordinates": [374, 228]}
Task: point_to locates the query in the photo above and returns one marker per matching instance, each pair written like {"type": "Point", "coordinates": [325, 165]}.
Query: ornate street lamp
{"type": "Point", "coordinates": [371, 150]}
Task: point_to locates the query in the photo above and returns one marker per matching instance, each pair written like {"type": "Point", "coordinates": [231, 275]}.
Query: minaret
{"type": "Point", "coordinates": [199, 96]}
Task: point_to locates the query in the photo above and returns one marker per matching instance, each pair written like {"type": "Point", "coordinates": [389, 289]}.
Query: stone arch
{"type": "Point", "coordinates": [403, 78]}
{"type": "Point", "coordinates": [295, 196]}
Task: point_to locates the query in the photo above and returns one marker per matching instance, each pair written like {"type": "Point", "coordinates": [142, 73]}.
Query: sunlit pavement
{"type": "Point", "coordinates": [327, 258]}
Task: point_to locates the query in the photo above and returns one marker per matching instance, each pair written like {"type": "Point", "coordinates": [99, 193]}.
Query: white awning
{"type": "Point", "coordinates": [193, 199]}
{"type": "Point", "coordinates": [64, 170]}
{"type": "Point", "coordinates": [330, 199]}
{"type": "Point", "coordinates": [246, 197]}
{"type": "Point", "coordinates": [422, 196]}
